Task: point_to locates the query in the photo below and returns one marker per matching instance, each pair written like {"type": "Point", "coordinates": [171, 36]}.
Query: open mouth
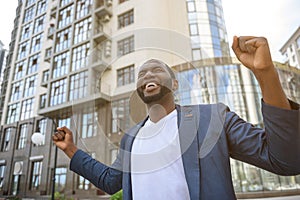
{"type": "Point", "coordinates": [150, 86]}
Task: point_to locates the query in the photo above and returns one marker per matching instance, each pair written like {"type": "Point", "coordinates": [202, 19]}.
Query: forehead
{"type": "Point", "coordinates": [152, 64]}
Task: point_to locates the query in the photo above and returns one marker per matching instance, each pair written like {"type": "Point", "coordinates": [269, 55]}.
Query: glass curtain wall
{"type": "Point", "coordinates": [230, 85]}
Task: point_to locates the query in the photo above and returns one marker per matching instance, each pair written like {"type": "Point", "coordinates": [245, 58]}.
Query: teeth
{"type": "Point", "coordinates": [151, 85]}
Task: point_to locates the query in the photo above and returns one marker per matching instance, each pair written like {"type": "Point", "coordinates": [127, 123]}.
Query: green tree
{"type": "Point", "coordinates": [117, 196]}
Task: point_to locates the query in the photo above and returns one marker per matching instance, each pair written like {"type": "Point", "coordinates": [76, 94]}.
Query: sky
{"type": "Point", "coordinates": [276, 20]}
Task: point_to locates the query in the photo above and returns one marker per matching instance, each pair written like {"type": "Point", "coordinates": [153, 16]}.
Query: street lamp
{"type": "Point", "coordinates": [37, 138]}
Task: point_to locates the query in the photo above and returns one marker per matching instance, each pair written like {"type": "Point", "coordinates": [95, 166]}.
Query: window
{"type": "Point", "coordinates": [82, 30]}
{"type": "Point", "coordinates": [78, 85]}
{"type": "Point", "coordinates": [125, 75]}
{"type": "Point", "coordinates": [298, 42]}
{"type": "Point", "coordinates": [66, 16]}
{"type": "Point", "coordinates": [125, 19]}
{"type": "Point", "coordinates": [63, 40]}
{"type": "Point", "coordinates": [16, 91]}
{"type": "Point", "coordinates": [13, 113]}
{"type": "Point", "coordinates": [45, 76]}
{"type": "Point", "coordinates": [80, 56]}
{"type": "Point", "coordinates": [2, 176]}
{"type": "Point", "coordinates": [64, 122]}
{"type": "Point", "coordinates": [83, 184]}
{"type": "Point", "coordinates": [43, 100]}
{"type": "Point", "coordinates": [6, 139]}
{"type": "Point", "coordinates": [113, 155]}
{"type": "Point", "coordinates": [26, 31]}
{"type": "Point", "coordinates": [29, 2]}
{"type": "Point", "coordinates": [58, 92]}
{"type": "Point", "coordinates": [84, 7]}
{"type": "Point", "coordinates": [22, 140]}
{"type": "Point", "coordinates": [291, 48]}
{"type": "Point", "coordinates": [42, 128]}
{"type": "Point", "coordinates": [89, 123]}
{"type": "Point", "coordinates": [34, 62]}
{"type": "Point", "coordinates": [23, 50]}
{"type": "Point", "coordinates": [120, 113]}
{"type": "Point", "coordinates": [27, 109]}
{"type": "Point", "coordinates": [48, 53]}
{"type": "Point", "coordinates": [196, 54]}
{"type": "Point", "coordinates": [36, 172]}
{"type": "Point", "coordinates": [60, 179]}
{"type": "Point", "coordinates": [65, 2]}
{"type": "Point", "coordinates": [16, 184]}
{"type": "Point", "coordinates": [29, 14]}
{"type": "Point", "coordinates": [61, 65]}
{"type": "Point", "coordinates": [126, 46]}
{"type": "Point", "coordinates": [36, 43]}
{"type": "Point", "coordinates": [39, 24]}
{"type": "Point", "coordinates": [191, 7]}
{"type": "Point", "coordinates": [20, 70]}
{"type": "Point", "coordinates": [41, 7]}
{"type": "Point", "coordinates": [194, 29]}
{"type": "Point", "coordinates": [30, 86]}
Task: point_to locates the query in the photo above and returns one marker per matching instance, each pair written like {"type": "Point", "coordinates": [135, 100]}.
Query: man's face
{"type": "Point", "coordinates": [154, 82]}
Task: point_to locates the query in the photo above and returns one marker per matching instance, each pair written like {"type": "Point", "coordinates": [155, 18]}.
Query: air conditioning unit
{"type": "Point", "coordinates": [52, 23]}
{"type": "Point", "coordinates": [18, 168]}
{"type": "Point", "coordinates": [106, 18]}
{"type": "Point", "coordinates": [107, 53]}
{"type": "Point", "coordinates": [109, 2]}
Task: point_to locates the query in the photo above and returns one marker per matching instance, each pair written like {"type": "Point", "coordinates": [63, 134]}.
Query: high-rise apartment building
{"type": "Point", "coordinates": [2, 61]}
{"type": "Point", "coordinates": [74, 63]}
{"type": "Point", "coordinates": [2, 56]}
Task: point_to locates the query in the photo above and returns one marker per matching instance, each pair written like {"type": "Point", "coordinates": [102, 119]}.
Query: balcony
{"type": "Point", "coordinates": [99, 59]}
{"type": "Point", "coordinates": [100, 32]}
{"type": "Point", "coordinates": [53, 11]}
{"type": "Point", "coordinates": [103, 8]}
{"type": "Point", "coordinates": [68, 107]}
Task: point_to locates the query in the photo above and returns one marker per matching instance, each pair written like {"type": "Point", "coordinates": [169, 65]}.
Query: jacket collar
{"type": "Point", "coordinates": [188, 121]}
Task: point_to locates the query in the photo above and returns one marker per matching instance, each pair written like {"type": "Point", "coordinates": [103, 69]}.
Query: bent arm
{"type": "Point", "coordinates": [254, 53]}
{"type": "Point", "coordinates": [106, 178]}
{"type": "Point", "coordinates": [275, 148]}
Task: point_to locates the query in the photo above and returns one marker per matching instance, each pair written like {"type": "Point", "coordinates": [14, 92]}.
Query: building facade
{"type": "Point", "coordinates": [2, 56]}
{"type": "Point", "coordinates": [74, 63]}
{"type": "Point", "coordinates": [2, 61]}
{"type": "Point", "coordinates": [291, 49]}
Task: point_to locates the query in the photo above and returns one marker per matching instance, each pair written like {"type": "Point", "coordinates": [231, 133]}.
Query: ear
{"type": "Point", "coordinates": [174, 84]}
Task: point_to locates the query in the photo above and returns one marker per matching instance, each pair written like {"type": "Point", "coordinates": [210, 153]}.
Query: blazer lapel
{"type": "Point", "coordinates": [127, 188]}
{"type": "Point", "coordinates": [188, 122]}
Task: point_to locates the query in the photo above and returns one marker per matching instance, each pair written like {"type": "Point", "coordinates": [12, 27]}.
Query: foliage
{"type": "Point", "coordinates": [59, 196]}
{"type": "Point", "coordinates": [117, 196]}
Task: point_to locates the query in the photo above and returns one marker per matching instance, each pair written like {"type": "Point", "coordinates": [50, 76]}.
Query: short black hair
{"type": "Point", "coordinates": [171, 72]}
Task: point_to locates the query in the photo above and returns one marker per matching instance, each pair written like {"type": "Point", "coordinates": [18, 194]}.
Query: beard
{"type": "Point", "coordinates": [156, 97]}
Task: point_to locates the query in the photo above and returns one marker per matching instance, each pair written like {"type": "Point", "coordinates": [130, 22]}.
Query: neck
{"type": "Point", "coordinates": [158, 110]}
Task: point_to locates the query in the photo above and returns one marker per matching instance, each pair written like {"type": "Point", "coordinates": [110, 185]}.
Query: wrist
{"type": "Point", "coordinates": [71, 150]}
{"type": "Point", "coordinates": [266, 74]}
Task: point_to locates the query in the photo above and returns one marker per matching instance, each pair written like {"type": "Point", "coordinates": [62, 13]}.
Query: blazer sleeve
{"type": "Point", "coordinates": [275, 148]}
{"type": "Point", "coordinates": [108, 179]}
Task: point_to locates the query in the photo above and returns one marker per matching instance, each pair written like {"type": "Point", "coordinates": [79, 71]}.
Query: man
{"type": "Point", "coordinates": [183, 152]}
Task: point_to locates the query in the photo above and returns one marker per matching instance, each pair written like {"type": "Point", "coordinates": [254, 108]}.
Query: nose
{"type": "Point", "coordinates": [148, 74]}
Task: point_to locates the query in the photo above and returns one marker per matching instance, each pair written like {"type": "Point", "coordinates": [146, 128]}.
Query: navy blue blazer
{"type": "Point", "coordinates": [209, 135]}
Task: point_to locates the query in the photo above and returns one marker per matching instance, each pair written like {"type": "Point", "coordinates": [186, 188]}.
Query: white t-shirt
{"type": "Point", "coordinates": [156, 164]}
